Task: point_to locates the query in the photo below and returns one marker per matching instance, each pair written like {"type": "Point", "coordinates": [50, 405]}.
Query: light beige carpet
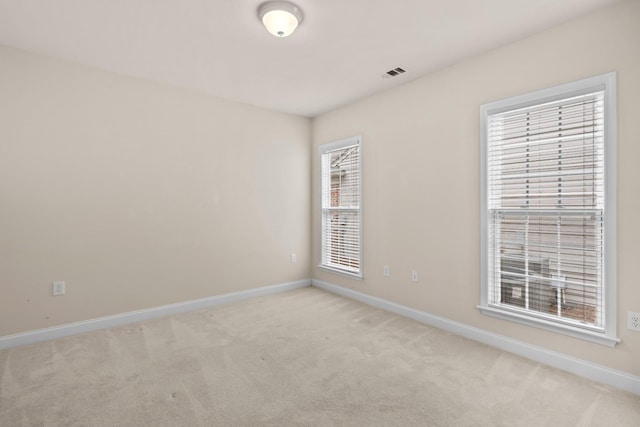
{"type": "Point", "coordinates": [304, 357]}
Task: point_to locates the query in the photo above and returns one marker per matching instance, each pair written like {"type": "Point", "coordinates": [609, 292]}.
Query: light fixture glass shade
{"type": "Point", "coordinates": [281, 18]}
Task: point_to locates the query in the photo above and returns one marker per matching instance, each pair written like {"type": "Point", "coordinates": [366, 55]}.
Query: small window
{"type": "Point", "coordinates": [548, 209]}
{"type": "Point", "coordinates": [341, 214]}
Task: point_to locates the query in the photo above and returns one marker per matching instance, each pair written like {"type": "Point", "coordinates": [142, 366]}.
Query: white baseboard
{"type": "Point", "coordinates": [592, 371]}
{"type": "Point", "coordinates": [54, 332]}
{"type": "Point", "coordinates": [583, 368]}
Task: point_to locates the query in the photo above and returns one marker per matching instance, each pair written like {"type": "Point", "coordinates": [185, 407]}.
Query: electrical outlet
{"type": "Point", "coordinates": [385, 271]}
{"type": "Point", "coordinates": [58, 288]}
{"type": "Point", "coordinates": [293, 258]}
{"type": "Point", "coordinates": [414, 276]}
{"type": "Point", "coordinates": [633, 321]}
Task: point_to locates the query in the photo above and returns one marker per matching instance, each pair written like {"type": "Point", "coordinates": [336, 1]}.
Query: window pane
{"type": "Point", "coordinates": [341, 220]}
{"type": "Point", "coordinates": [550, 264]}
{"type": "Point", "coordinates": [545, 194]}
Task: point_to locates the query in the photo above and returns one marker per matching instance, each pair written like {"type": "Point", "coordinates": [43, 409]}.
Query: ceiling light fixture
{"type": "Point", "coordinates": [280, 17]}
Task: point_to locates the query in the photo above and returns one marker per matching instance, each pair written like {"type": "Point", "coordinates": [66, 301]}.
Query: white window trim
{"type": "Point", "coordinates": [336, 145]}
{"type": "Point", "coordinates": [344, 273]}
{"type": "Point", "coordinates": [608, 82]}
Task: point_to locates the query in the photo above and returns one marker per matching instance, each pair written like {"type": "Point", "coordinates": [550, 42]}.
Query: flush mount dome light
{"type": "Point", "coordinates": [280, 17]}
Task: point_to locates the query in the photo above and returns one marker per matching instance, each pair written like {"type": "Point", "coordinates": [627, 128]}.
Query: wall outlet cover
{"type": "Point", "coordinates": [58, 288]}
{"type": "Point", "coordinates": [633, 321]}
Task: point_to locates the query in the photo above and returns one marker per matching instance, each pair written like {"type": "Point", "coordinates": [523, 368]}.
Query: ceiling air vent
{"type": "Point", "coordinates": [393, 73]}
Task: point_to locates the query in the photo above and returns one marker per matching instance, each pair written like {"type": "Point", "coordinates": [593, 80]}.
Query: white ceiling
{"type": "Point", "coordinates": [220, 47]}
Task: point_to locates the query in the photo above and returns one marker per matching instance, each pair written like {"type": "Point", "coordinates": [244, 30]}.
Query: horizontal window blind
{"type": "Point", "coordinates": [341, 228]}
{"type": "Point", "coordinates": [546, 210]}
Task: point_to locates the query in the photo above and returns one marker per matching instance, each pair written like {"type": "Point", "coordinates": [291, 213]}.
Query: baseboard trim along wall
{"type": "Point", "coordinates": [592, 371]}
{"type": "Point", "coordinates": [60, 331]}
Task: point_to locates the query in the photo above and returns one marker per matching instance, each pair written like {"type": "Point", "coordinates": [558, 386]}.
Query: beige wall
{"type": "Point", "coordinates": [139, 194]}
{"type": "Point", "coordinates": [421, 191]}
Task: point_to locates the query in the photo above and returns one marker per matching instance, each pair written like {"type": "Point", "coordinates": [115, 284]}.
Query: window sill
{"type": "Point", "coordinates": [345, 273]}
{"type": "Point", "coordinates": [596, 337]}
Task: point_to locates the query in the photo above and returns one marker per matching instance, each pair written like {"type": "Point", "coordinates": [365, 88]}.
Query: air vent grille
{"type": "Point", "coordinates": [393, 73]}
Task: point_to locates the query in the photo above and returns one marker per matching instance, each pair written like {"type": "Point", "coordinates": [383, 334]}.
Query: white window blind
{"type": "Point", "coordinates": [341, 217]}
{"type": "Point", "coordinates": [545, 210]}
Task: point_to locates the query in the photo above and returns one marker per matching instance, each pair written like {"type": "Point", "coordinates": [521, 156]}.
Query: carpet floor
{"type": "Point", "coordinates": [299, 358]}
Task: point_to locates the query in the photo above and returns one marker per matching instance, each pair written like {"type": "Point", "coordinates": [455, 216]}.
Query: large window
{"type": "Point", "coordinates": [548, 209]}
{"type": "Point", "coordinates": [341, 218]}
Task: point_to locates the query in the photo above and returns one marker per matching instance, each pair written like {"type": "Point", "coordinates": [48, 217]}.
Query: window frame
{"type": "Point", "coordinates": [607, 83]}
{"type": "Point", "coordinates": [324, 149]}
